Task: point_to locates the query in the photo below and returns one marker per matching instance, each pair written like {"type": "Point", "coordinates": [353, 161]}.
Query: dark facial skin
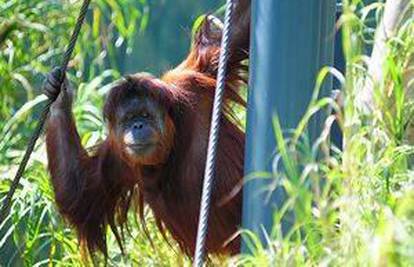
{"type": "Point", "coordinates": [140, 125]}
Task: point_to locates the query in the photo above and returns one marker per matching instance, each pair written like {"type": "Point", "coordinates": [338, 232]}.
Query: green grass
{"type": "Point", "coordinates": [362, 216]}
{"type": "Point", "coordinates": [364, 213]}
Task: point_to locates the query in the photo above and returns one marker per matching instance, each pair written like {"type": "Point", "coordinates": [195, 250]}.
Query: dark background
{"type": "Point", "coordinates": [167, 38]}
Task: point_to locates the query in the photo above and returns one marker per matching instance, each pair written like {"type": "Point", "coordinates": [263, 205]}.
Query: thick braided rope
{"type": "Point", "coordinates": [43, 117]}
{"type": "Point", "coordinates": [213, 138]}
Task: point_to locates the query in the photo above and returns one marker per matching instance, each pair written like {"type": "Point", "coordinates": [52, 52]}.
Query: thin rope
{"type": "Point", "coordinates": [45, 113]}
{"type": "Point", "coordinates": [213, 138]}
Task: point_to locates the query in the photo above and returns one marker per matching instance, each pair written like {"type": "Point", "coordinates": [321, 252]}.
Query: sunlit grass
{"type": "Point", "coordinates": [363, 215]}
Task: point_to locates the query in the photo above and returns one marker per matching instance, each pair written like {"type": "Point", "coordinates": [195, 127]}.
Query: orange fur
{"type": "Point", "coordinates": [95, 191]}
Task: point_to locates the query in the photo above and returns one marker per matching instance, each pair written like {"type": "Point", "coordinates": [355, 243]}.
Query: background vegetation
{"type": "Point", "coordinates": [364, 214]}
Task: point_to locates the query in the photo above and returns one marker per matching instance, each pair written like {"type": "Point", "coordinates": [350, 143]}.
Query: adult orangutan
{"type": "Point", "coordinates": [156, 148]}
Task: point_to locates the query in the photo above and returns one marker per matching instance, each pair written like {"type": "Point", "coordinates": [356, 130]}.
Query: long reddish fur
{"type": "Point", "coordinates": [95, 190]}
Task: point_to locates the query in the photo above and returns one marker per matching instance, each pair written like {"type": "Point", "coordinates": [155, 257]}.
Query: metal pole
{"type": "Point", "coordinates": [290, 42]}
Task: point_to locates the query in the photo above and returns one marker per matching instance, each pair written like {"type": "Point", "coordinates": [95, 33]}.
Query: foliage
{"type": "Point", "coordinates": [33, 37]}
{"type": "Point", "coordinates": [352, 207]}
{"type": "Point", "coordinates": [362, 215]}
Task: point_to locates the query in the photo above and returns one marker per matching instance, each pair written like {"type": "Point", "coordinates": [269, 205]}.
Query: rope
{"type": "Point", "coordinates": [45, 112]}
{"type": "Point", "coordinates": [213, 138]}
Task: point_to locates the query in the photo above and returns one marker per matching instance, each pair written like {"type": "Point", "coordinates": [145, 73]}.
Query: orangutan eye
{"type": "Point", "coordinates": [128, 117]}
{"type": "Point", "coordinates": [145, 115]}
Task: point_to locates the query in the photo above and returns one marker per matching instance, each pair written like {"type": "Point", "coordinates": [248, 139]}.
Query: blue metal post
{"type": "Point", "coordinates": [290, 42]}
